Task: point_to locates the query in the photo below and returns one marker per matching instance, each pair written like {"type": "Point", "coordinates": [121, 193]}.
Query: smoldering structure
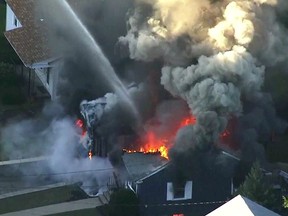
{"type": "Point", "coordinates": [211, 54]}
{"type": "Point", "coordinates": [208, 57]}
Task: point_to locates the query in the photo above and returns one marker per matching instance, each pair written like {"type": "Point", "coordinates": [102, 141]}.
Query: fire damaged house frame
{"type": "Point", "coordinates": [166, 192]}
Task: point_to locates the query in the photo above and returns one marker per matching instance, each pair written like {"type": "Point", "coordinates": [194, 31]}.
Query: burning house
{"type": "Point", "coordinates": [167, 192]}
{"type": "Point", "coordinates": [92, 112]}
{"type": "Point", "coordinates": [199, 67]}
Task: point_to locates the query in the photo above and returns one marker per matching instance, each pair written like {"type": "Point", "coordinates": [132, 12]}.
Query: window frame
{"type": "Point", "coordinates": [188, 191]}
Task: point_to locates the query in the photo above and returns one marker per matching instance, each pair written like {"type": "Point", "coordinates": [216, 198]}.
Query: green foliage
{"type": "Point", "coordinates": [256, 188]}
{"type": "Point", "coordinates": [123, 202]}
{"type": "Point", "coordinates": [285, 202]}
{"type": "Point", "coordinates": [7, 54]}
{"type": "Point", "coordinates": [6, 73]}
{"type": "Point", "coordinates": [12, 96]}
{"type": "Point", "coordinates": [10, 91]}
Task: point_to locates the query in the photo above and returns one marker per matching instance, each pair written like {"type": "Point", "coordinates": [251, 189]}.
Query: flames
{"type": "Point", "coordinates": [188, 121]}
{"type": "Point", "coordinates": [90, 154]}
{"type": "Point", "coordinates": [152, 143]}
{"type": "Point", "coordinates": [155, 144]}
{"type": "Point", "coordinates": [80, 124]}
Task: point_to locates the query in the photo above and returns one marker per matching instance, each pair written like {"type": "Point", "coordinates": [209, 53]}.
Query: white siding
{"type": "Point", "coordinates": [11, 20]}
{"type": "Point", "coordinates": [48, 84]}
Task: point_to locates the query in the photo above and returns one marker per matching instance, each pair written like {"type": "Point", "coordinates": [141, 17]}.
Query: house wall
{"type": "Point", "coordinates": [31, 83]}
{"type": "Point", "coordinates": [45, 76]}
{"type": "Point", "coordinates": [207, 187]}
{"type": "Point", "coordinates": [48, 77]}
{"type": "Point", "coordinates": [11, 20]}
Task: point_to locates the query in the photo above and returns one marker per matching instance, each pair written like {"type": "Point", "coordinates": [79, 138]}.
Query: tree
{"type": "Point", "coordinates": [256, 188]}
{"type": "Point", "coordinates": [123, 202]}
{"type": "Point", "coordinates": [285, 202]}
{"type": "Point", "coordinates": [10, 88]}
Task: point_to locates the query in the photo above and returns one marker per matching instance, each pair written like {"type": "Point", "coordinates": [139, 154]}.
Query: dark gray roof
{"type": "Point", "coordinates": [140, 165]}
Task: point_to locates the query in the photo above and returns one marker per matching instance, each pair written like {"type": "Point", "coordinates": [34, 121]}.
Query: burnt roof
{"type": "Point", "coordinates": [28, 41]}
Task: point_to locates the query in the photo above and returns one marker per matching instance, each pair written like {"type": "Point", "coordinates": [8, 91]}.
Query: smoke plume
{"type": "Point", "coordinates": [214, 57]}
{"type": "Point", "coordinates": [212, 54]}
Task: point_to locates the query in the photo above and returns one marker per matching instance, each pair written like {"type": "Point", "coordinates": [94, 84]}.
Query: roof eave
{"type": "Point", "coordinates": [25, 63]}
{"type": "Point", "coordinates": [45, 63]}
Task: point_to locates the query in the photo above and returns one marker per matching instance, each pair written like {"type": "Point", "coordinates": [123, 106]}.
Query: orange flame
{"type": "Point", "coordinates": [90, 155]}
{"type": "Point", "coordinates": [154, 144]}
{"type": "Point", "coordinates": [188, 121]}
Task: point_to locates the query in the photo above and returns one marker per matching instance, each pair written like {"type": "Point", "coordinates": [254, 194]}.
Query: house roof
{"type": "Point", "coordinates": [46, 200]}
{"type": "Point", "coordinates": [225, 157]}
{"type": "Point", "coordinates": [140, 165]}
{"type": "Point", "coordinates": [242, 206]}
{"type": "Point", "coordinates": [28, 41]}
{"type": "Point", "coordinates": [23, 161]}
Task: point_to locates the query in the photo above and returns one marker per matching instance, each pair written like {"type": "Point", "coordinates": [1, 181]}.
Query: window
{"type": "Point", "coordinates": [181, 191]}
{"type": "Point", "coordinates": [48, 75]}
{"type": "Point", "coordinates": [15, 21]}
{"type": "Point", "coordinates": [178, 214]}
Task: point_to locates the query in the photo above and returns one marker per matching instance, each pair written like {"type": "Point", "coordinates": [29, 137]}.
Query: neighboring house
{"type": "Point", "coordinates": [163, 192]}
{"type": "Point", "coordinates": [26, 34]}
{"type": "Point", "coordinates": [26, 189]}
{"type": "Point", "coordinates": [242, 206]}
{"type": "Point", "coordinates": [139, 165]}
{"type": "Point", "coordinates": [51, 200]}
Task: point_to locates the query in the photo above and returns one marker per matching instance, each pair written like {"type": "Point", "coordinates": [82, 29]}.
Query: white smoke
{"type": "Point", "coordinates": [236, 28]}
{"type": "Point", "coordinates": [57, 138]}
{"type": "Point", "coordinates": [164, 33]}
{"type": "Point", "coordinates": [173, 18]}
{"type": "Point", "coordinates": [67, 157]}
{"type": "Point", "coordinates": [172, 30]}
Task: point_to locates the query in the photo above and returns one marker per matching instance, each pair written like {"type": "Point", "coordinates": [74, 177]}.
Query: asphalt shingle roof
{"type": "Point", "coordinates": [29, 41]}
{"type": "Point", "coordinates": [140, 165]}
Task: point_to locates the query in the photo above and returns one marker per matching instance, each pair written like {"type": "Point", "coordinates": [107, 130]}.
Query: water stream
{"type": "Point", "coordinates": [99, 60]}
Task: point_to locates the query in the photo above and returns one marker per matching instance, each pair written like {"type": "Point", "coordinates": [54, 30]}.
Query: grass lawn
{"type": "Point", "coordinates": [7, 54]}
{"type": "Point", "coordinates": [40, 198]}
